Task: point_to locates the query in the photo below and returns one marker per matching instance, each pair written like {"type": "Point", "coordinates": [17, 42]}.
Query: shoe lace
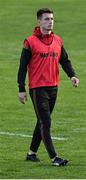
{"type": "Point", "coordinates": [58, 159]}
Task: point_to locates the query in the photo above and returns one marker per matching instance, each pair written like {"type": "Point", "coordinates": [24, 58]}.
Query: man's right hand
{"type": "Point", "coordinates": [22, 97]}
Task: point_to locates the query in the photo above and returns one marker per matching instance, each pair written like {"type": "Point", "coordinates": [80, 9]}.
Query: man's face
{"type": "Point", "coordinates": [46, 21]}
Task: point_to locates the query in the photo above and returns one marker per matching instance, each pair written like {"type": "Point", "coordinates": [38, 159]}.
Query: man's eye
{"type": "Point", "coordinates": [47, 19]}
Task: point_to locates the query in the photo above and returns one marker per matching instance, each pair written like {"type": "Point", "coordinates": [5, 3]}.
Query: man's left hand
{"type": "Point", "coordinates": [75, 81]}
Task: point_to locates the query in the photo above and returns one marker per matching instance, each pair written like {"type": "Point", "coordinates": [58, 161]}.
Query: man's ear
{"type": "Point", "coordinates": [38, 22]}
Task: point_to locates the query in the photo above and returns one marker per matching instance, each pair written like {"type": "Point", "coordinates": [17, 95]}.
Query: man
{"type": "Point", "coordinates": [41, 55]}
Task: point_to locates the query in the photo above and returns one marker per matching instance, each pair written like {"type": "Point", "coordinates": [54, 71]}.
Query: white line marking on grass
{"type": "Point", "coordinates": [29, 136]}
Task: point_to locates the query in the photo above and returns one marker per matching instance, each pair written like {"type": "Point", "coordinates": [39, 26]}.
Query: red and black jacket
{"type": "Point", "coordinates": [38, 79]}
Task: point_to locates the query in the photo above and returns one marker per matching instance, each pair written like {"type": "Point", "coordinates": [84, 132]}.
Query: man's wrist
{"type": "Point", "coordinates": [73, 77]}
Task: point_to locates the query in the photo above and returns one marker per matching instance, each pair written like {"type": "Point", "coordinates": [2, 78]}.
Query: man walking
{"type": "Point", "coordinates": [42, 53]}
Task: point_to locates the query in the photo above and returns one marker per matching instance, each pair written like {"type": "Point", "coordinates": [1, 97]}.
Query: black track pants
{"type": "Point", "coordinates": [43, 100]}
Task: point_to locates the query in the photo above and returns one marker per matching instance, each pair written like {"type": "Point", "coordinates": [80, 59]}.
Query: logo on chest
{"type": "Point", "coordinates": [50, 54]}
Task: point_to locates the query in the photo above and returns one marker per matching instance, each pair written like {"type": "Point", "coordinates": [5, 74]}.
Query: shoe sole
{"type": "Point", "coordinates": [33, 160]}
{"type": "Point", "coordinates": [64, 163]}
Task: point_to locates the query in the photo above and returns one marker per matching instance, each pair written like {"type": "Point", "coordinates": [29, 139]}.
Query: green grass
{"type": "Point", "coordinates": [17, 20]}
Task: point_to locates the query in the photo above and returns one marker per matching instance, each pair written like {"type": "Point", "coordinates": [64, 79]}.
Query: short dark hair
{"type": "Point", "coordinates": [42, 11]}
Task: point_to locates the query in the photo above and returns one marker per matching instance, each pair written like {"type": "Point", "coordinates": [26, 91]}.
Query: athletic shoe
{"type": "Point", "coordinates": [32, 157]}
{"type": "Point", "coordinates": [59, 162]}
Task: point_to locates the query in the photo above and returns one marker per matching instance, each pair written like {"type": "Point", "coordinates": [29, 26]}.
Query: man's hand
{"type": "Point", "coordinates": [22, 97]}
{"type": "Point", "coordinates": [75, 81]}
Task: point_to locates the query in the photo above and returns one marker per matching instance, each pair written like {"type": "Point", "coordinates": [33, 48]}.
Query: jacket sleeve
{"type": "Point", "coordinates": [66, 63]}
{"type": "Point", "coordinates": [24, 60]}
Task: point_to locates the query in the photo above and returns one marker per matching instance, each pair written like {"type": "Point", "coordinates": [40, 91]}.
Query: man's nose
{"type": "Point", "coordinates": [51, 21]}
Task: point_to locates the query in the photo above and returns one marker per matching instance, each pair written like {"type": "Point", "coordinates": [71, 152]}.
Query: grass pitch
{"type": "Point", "coordinates": [17, 20]}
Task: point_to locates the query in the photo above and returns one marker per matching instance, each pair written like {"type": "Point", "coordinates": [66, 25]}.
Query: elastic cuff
{"type": "Point", "coordinates": [22, 89]}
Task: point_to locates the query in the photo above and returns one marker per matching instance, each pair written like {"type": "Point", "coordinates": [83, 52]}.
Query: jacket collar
{"type": "Point", "coordinates": [47, 39]}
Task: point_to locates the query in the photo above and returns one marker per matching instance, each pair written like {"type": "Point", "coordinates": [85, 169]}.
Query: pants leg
{"type": "Point", "coordinates": [36, 139]}
{"type": "Point", "coordinates": [44, 101]}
